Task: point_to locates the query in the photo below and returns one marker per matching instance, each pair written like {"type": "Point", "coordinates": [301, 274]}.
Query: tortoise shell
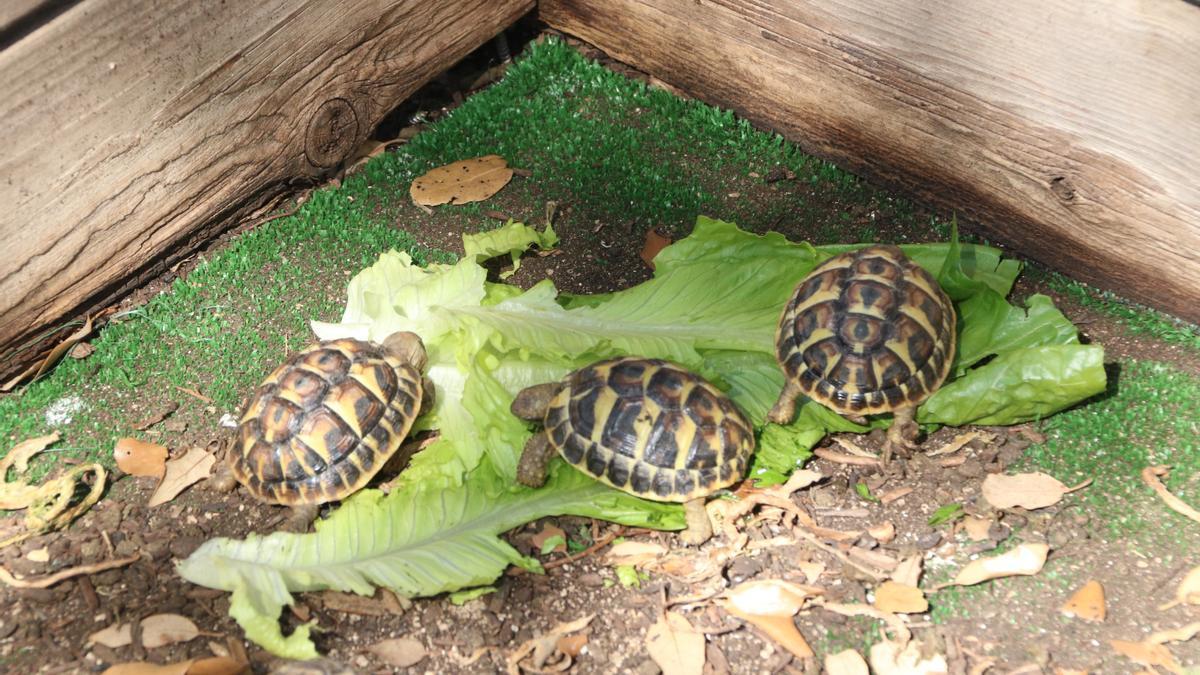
{"type": "Point", "coordinates": [650, 428]}
{"type": "Point", "coordinates": [321, 425]}
{"type": "Point", "coordinates": [866, 332]}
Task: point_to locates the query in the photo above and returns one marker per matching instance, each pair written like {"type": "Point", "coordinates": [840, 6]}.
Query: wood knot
{"type": "Point", "coordinates": [1062, 188]}
{"type": "Point", "coordinates": [332, 133]}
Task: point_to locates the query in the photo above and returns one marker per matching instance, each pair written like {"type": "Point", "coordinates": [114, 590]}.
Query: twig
{"type": "Point", "coordinates": [48, 581]}
{"type": "Point", "coordinates": [845, 559]}
{"type": "Point", "coordinates": [193, 392]}
{"type": "Point", "coordinates": [608, 539]}
{"type": "Point", "coordinates": [1150, 475]}
{"type": "Point", "coordinates": [833, 456]}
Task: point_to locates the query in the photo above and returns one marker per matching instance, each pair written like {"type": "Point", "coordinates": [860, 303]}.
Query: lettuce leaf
{"type": "Point", "coordinates": [712, 305]}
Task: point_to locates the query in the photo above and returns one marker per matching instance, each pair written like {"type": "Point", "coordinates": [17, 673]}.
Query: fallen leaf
{"type": "Point", "coordinates": [116, 635]}
{"type": "Point", "coordinates": [159, 630]}
{"type": "Point", "coordinates": [20, 454]}
{"type": "Point", "coordinates": [675, 646]}
{"type": "Point", "coordinates": [893, 621]}
{"type": "Point", "coordinates": [848, 662]}
{"type": "Point", "coordinates": [1150, 475]}
{"type": "Point", "coordinates": [82, 350]}
{"type": "Point", "coordinates": [400, 652]}
{"type": "Point", "coordinates": [549, 532]}
{"type": "Point", "coordinates": [1024, 559]}
{"type": "Point", "coordinates": [572, 644]}
{"type": "Point", "coordinates": [181, 473]}
{"type": "Point", "coordinates": [1027, 490]}
{"type": "Point", "coordinates": [38, 369]}
{"type": "Point", "coordinates": [769, 605]}
{"type": "Point", "coordinates": [908, 572]}
{"type": "Point", "coordinates": [955, 445]}
{"type": "Point", "coordinates": [469, 180]}
{"type": "Point", "coordinates": [149, 669]}
{"type": "Point", "coordinates": [1188, 592]}
{"type": "Point", "coordinates": [977, 528]}
{"type": "Point", "coordinates": [1147, 654]}
{"type": "Point", "coordinates": [218, 665]}
{"type": "Point", "coordinates": [812, 570]}
{"type": "Point", "coordinates": [1181, 634]}
{"type": "Point", "coordinates": [655, 242]}
{"type": "Point", "coordinates": [892, 495]}
{"type": "Point", "coordinates": [893, 658]}
{"type": "Point", "coordinates": [635, 553]}
{"type": "Point", "coordinates": [1087, 603]}
{"type": "Point", "coordinates": [883, 532]}
{"type": "Point", "coordinates": [900, 598]}
{"type": "Point", "coordinates": [541, 648]}
{"type": "Point", "coordinates": [139, 458]}
{"type": "Point", "coordinates": [39, 555]}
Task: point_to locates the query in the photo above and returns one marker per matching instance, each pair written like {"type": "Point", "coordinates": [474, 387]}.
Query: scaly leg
{"type": "Point", "coordinates": [535, 460]}
{"type": "Point", "coordinates": [699, 528]}
{"type": "Point", "coordinates": [901, 434]}
{"type": "Point", "coordinates": [301, 517]}
{"type": "Point", "coordinates": [785, 408]}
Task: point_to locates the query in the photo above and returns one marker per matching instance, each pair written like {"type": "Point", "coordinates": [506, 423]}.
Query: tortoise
{"type": "Point", "coordinates": [645, 426]}
{"type": "Point", "coordinates": [866, 332]}
{"type": "Point", "coordinates": [327, 420]}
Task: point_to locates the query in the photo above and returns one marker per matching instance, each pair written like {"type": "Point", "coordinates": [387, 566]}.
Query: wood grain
{"type": "Point", "coordinates": [135, 132]}
{"type": "Point", "coordinates": [1069, 130]}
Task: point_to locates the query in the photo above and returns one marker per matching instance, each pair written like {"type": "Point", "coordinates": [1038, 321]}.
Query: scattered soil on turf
{"type": "Point", "coordinates": [1013, 622]}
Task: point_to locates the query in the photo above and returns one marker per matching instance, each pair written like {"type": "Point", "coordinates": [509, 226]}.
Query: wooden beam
{"type": "Point", "coordinates": [1070, 131]}
{"type": "Point", "coordinates": [134, 132]}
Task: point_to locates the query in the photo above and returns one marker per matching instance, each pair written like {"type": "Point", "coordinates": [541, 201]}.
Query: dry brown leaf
{"type": "Point", "coordinates": [193, 467]}
{"type": "Point", "coordinates": [39, 555]}
{"type": "Point", "coordinates": [636, 553]}
{"type": "Point", "coordinates": [1027, 490]}
{"type": "Point", "coordinates": [1087, 603]}
{"type": "Point", "coordinates": [139, 458]}
{"type": "Point", "coordinates": [894, 658]}
{"type": "Point", "coordinates": [769, 605]}
{"type": "Point", "coordinates": [900, 598]}
{"type": "Point", "coordinates": [38, 369]}
{"type": "Point", "coordinates": [149, 669]}
{"type": "Point", "coordinates": [82, 350]}
{"type": "Point", "coordinates": [976, 528]}
{"type": "Point", "coordinates": [159, 630]}
{"type": "Point", "coordinates": [908, 572]}
{"type": "Point", "coordinates": [1181, 634]}
{"type": "Point", "coordinates": [675, 646]}
{"type": "Point", "coordinates": [399, 652]}
{"type": "Point", "coordinates": [116, 635]}
{"type": "Point", "coordinates": [218, 665]}
{"type": "Point", "coordinates": [1188, 592]}
{"type": "Point", "coordinates": [1023, 560]}
{"type": "Point", "coordinates": [883, 532]}
{"type": "Point", "coordinates": [542, 647]}
{"type": "Point", "coordinates": [848, 662]}
{"type": "Point", "coordinates": [469, 180]}
{"type": "Point", "coordinates": [812, 570]}
{"type": "Point", "coordinates": [956, 444]}
{"type": "Point", "coordinates": [655, 242]}
{"type": "Point", "coordinates": [1147, 654]}
{"type": "Point", "coordinates": [572, 645]}
{"type": "Point", "coordinates": [20, 454]}
{"type": "Point", "coordinates": [892, 495]}
{"type": "Point", "coordinates": [1151, 476]}
{"type": "Point", "coordinates": [547, 532]}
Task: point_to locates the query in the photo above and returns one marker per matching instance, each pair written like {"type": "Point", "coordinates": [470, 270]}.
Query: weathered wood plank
{"type": "Point", "coordinates": [133, 132]}
{"type": "Point", "coordinates": [1069, 130]}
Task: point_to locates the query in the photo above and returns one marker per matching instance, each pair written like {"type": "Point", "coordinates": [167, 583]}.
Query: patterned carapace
{"type": "Point", "coordinates": [867, 332]}
{"type": "Point", "coordinates": [651, 428]}
{"type": "Point", "coordinates": [325, 422]}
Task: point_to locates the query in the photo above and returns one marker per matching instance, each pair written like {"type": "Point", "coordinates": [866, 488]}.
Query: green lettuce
{"type": "Point", "coordinates": [712, 306]}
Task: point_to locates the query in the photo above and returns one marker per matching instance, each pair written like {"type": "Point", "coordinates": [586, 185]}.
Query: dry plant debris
{"type": "Point", "coordinates": [139, 458]}
{"type": "Point", "coordinates": [655, 242]}
{"type": "Point", "coordinates": [36, 370]}
{"type": "Point", "coordinates": [675, 645]}
{"type": "Point", "coordinates": [541, 654]}
{"type": "Point", "coordinates": [53, 504]}
{"type": "Point", "coordinates": [468, 180]}
{"type": "Point", "coordinates": [1188, 591]}
{"type": "Point", "coordinates": [216, 665]}
{"type": "Point", "coordinates": [181, 473]}
{"type": "Point", "coordinates": [399, 652]}
{"type": "Point", "coordinates": [1023, 560]}
{"type": "Point", "coordinates": [1027, 490]}
{"type": "Point", "coordinates": [1151, 475]}
{"type": "Point", "coordinates": [769, 605]}
{"type": "Point", "coordinates": [1087, 603]}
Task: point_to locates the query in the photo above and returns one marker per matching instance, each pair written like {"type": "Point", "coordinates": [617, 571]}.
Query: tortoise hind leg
{"type": "Point", "coordinates": [785, 408]}
{"type": "Point", "coordinates": [535, 460]}
{"type": "Point", "coordinates": [901, 434]}
{"type": "Point", "coordinates": [699, 528]}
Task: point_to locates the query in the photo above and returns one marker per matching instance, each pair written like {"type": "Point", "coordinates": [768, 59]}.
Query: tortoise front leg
{"type": "Point", "coordinates": [699, 528]}
{"type": "Point", "coordinates": [785, 408]}
{"type": "Point", "coordinates": [535, 460]}
{"type": "Point", "coordinates": [901, 434]}
{"type": "Point", "coordinates": [301, 517]}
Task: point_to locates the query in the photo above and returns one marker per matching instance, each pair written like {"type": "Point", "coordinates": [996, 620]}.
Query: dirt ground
{"type": "Point", "coordinates": [46, 630]}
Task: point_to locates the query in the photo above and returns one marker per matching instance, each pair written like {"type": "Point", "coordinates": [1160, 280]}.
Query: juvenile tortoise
{"type": "Point", "coordinates": [866, 332]}
{"type": "Point", "coordinates": [327, 420]}
{"type": "Point", "coordinates": [644, 426]}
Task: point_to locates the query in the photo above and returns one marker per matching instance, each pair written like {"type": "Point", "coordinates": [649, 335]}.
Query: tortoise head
{"type": "Point", "coordinates": [531, 402]}
{"type": "Point", "coordinates": [407, 347]}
